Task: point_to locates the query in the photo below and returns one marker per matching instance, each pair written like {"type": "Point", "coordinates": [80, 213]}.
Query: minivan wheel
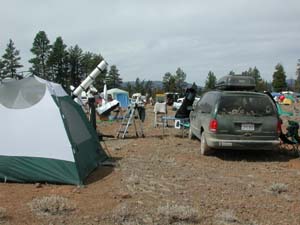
{"type": "Point", "coordinates": [204, 149]}
{"type": "Point", "coordinates": [191, 135]}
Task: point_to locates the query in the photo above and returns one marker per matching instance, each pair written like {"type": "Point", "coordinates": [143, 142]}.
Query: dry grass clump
{"type": "Point", "coordinates": [227, 217]}
{"type": "Point", "coordinates": [133, 179]}
{"type": "Point", "coordinates": [125, 215]}
{"type": "Point", "coordinates": [172, 214]}
{"type": "Point", "coordinates": [3, 214]}
{"type": "Point", "coordinates": [122, 214]}
{"type": "Point", "coordinates": [51, 205]}
{"type": "Point", "coordinates": [278, 188]}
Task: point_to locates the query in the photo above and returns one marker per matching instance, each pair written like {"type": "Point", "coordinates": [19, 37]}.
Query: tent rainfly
{"type": "Point", "coordinates": [45, 135]}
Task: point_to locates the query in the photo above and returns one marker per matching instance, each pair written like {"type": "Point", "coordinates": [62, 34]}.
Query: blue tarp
{"type": "Point", "coordinates": [123, 99]}
{"type": "Point", "coordinates": [274, 94]}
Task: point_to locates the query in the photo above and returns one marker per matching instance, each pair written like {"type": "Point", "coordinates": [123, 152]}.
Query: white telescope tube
{"type": "Point", "coordinates": [90, 78]}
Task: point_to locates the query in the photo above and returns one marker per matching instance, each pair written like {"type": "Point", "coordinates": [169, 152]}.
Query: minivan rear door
{"type": "Point", "coordinates": [247, 115]}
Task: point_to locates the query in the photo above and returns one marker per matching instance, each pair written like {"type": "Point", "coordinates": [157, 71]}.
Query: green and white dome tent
{"type": "Point", "coordinates": [45, 135]}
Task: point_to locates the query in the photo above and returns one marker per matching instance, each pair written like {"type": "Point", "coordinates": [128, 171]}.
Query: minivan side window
{"type": "Point", "coordinates": [207, 102]}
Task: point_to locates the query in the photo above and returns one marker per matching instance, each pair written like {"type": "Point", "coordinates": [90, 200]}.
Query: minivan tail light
{"type": "Point", "coordinates": [213, 125]}
{"type": "Point", "coordinates": [279, 123]}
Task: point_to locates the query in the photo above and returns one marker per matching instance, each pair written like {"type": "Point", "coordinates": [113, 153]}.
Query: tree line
{"type": "Point", "coordinates": [278, 83]}
{"type": "Point", "coordinates": [58, 63]}
{"type": "Point", "coordinates": [70, 65]}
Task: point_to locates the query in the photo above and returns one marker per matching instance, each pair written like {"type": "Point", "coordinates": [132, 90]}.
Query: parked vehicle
{"type": "Point", "coordinates": [235, 119]}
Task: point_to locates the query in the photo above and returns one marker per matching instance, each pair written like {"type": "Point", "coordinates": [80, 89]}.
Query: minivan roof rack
{"type": "Point", "coordinates": [236, 83]}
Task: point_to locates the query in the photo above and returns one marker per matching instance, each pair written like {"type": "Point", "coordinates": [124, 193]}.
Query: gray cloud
{"type": "Point", "coordinates": [146, 39]}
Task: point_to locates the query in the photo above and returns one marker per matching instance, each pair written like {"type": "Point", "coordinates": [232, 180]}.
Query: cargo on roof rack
{"type": "Point", "coordinates": [236, 83]}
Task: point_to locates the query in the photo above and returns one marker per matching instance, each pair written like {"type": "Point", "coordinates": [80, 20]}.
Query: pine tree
{"type": "Point", "coordinates": [41, 50]}
{"type": "Point", "coordinates": [138, 87]}
{"type": "Point", "coordinates": [297, 83]}
{"type": "Point", "coordinates": [75, 65]}
{"type": "Point", "coordinates": [169, 82]}
{"type": "Point", "coordinates": [113, 79]}
{"type": "Point", "coordinates": [256, 75]}
{"type": "Point", "coordinates": [247, 72]}
{"type": "Point", "coordinates": [262, 85]}
{"type": "Point", "coordinates": [88, 64]}
{"type": "Point", "coordinates": [58, 63]}
{"type": "Point", "coordinates": [10, 62]}
{"type": "Point", "coordinates": [129, 88]}
{"type": "Point", "coordinates": [253, 73]}
{"type": "Point", "coordinates": [210, 82]}
{"type": "Point", "coordinates": [232, 73]}
{"type": "Point", "coordinates": [279, 79]}
{"type": "Point", "coordinates": [143, 87]}
{"type": "Point", "coordinates": [1, 69]}
{"type": "Point", "coordinates": [180, 83]}
{"type": "Point", "coordinates": [149, 88]}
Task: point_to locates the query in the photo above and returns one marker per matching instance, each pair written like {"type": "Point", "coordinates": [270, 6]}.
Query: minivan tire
{"type": "Point", "coordinates": [204, 149]}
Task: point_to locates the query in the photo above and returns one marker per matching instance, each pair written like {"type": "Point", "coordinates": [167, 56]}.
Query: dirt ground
{"type": "Point", "coordinates": [162, 179]}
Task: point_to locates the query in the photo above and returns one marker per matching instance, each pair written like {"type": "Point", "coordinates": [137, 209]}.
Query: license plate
{"type": "Point", "coordinates": [247, 127]}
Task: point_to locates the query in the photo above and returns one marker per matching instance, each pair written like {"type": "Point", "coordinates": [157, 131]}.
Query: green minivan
{"type": "Point", "coordinates": [235, 119]}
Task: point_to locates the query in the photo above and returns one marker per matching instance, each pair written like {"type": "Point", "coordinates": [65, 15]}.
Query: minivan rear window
{"type": "Point", "coordinates": [246, 105]}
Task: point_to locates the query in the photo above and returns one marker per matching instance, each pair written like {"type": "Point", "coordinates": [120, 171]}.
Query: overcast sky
{"type": "Point", "coordinates": [146, 39]}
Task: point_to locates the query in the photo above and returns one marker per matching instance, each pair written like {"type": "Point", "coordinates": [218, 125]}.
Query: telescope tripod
{"type": "Point", "coordinates": [130, 118]}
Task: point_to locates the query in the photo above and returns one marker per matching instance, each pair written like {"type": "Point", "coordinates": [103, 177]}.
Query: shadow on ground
{"type": "Point", "coordinates": [104, 170]}
{"type": "Point", "coordinates": [254, 155]}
